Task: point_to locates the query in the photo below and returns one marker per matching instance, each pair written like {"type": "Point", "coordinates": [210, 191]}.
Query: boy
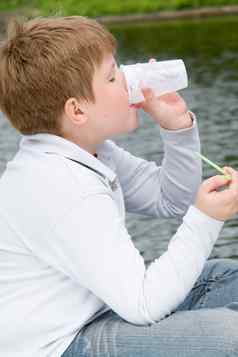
{"type": "Point", "coordinates": [66, 257]}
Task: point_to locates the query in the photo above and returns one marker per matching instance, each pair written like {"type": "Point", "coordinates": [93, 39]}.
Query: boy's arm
{"type": "Point", "coordinates": [166, 190]}
{"type": "Point", "coordinates": [91, 245]}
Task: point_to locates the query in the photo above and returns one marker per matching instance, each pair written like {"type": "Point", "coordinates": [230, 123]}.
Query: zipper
{"type": "Point", "coordinates": [112, 184]}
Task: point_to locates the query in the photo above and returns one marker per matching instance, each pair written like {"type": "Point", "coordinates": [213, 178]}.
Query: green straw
{"type": "Point", "coordinates": [228, 177]}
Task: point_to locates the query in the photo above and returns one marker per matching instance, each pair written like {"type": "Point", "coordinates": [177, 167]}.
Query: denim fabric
{"type": "Point", "coordinates": [205, 324]}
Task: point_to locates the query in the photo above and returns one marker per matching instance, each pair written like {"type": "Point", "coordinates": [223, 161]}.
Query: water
{"type": "Point", "coordinates": [209, 49]}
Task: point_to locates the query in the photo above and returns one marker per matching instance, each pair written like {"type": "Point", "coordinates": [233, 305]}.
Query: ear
{"type": "Point", "coordinates": [74, 111]}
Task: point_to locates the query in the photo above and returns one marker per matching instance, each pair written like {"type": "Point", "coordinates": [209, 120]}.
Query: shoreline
{"type": "Point", "coordinates": [161, 16]}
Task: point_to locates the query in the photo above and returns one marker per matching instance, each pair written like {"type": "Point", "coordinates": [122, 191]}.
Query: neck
{"type": "Point", "coordinates": [91, 148]}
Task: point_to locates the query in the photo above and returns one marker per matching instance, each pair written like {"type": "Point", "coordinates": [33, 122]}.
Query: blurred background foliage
{"type": "Point", "coordinates": [101, 7]}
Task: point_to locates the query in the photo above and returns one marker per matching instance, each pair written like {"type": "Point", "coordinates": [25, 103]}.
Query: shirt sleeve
{"type": "Point", "coordinates": [166, 190]}
{"type": "Point", "coordinates": [91, 245]}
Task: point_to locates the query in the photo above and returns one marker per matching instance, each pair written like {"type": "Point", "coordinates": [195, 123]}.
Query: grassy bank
{"type": "Point", "coordinates": [103, 7]}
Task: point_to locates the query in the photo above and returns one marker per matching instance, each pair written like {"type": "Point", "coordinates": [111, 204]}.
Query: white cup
{"type": "Point", "coordinates": [162, 77]}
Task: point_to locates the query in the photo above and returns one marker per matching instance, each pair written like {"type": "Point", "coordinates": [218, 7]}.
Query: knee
{"type": "Point", "coordinates": [215, 268]}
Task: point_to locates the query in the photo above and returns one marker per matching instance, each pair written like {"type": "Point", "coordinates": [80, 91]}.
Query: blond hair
{"type": "Point", "coordinates": [45, 61]}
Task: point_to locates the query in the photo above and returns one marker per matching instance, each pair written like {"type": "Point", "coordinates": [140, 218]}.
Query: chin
{"type": "Point", "coordinates": [132, 122]}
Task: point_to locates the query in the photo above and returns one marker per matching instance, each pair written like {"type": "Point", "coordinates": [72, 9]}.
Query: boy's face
{"type": "Point", "coordinates": [111, 114]}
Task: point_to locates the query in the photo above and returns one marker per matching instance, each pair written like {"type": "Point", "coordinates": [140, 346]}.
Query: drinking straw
{"type": "Point", "coordinates": [228, 177]}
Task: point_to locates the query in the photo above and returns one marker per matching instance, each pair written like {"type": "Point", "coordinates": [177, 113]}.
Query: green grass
{"type": "Point", "coordinates": [105, 7]}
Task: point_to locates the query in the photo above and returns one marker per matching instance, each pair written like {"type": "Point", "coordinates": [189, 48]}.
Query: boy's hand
{"type": "Point", "coordinates": [168, 110]}
{"type": "Point", "coordinates": [220, 205]}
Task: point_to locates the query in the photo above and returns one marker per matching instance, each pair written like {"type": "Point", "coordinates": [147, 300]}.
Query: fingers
{"type": "Point", "coordinates": [214, 182]}
{"type": "Point", "coordinates": [230, 171]}
{"type": "Point", "coordinates": [229, 196]}
{"type": "Point", "coordinates": [233, 183]}
{"type": "Point", "coordinates": [148, 93]}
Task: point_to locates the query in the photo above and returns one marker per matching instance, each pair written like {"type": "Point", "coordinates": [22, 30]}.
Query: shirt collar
{"type": "Point", "coordinates": [44, 142]}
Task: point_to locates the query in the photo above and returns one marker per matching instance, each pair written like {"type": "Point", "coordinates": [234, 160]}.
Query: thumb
{"type": "Point", "coordinates": [148, 93]}
{"type": "Point", "coordinates": [214, 182]}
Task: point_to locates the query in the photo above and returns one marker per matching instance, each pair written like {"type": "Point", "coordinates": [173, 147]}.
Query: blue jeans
{"type": "Point", "coordinates": [204, 325]}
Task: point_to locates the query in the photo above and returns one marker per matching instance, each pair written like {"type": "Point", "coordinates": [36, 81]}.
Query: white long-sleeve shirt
{"type": "Point", "coordinates": [65, 253]}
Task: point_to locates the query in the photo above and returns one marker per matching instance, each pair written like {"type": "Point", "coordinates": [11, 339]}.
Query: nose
{"type": "Point", "coordinates": [123, 78]}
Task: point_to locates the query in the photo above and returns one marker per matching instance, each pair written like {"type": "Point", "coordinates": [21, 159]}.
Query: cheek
{"type": "Point", "coordinates": [113, 101]}
{"type": "Point", "coordinates": [117, 93]}
{"type": "Point", "coordinates": [120, 100]}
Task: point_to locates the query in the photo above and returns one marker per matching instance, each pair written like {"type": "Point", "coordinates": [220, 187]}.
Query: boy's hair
{"type": "Point", "coordinates": [45, 61]}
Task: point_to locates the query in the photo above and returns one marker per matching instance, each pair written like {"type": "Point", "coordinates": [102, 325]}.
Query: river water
{"type": "Point", "coordinates": [209, 49]}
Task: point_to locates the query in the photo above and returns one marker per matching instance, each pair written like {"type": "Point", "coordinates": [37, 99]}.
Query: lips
{"type": "Point", "coordinates": [136, 106]}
